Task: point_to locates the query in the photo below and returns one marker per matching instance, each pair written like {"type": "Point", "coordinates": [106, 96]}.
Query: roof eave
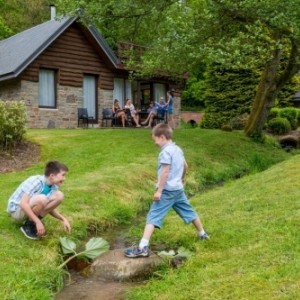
{"type": "Point", "coordinates": [7, 76]}
{"type": "Point", "coordinates": [38, 51]}
{"type": "Point", "coordinates": [103, 44]}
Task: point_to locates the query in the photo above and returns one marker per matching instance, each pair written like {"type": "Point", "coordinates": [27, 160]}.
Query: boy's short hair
{"type": "Point", "coordinates": [163, 129]}
{"type": "Point", "coordinates": [54, 167]}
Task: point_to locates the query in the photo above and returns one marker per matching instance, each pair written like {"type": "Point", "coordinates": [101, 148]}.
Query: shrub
{"type": "Point", "coordinates": [212, 120]}
{"type": "Point", "coordinates": [258, 137]}
{"type": "Point", "coordinates": [228, 93]}
{"type": "Point", "coordinates": [291, 114]}
{"type": "Point", "coordinates": [298, 113]}
{"type": "Point", "coordinates": [298, 117]}
{"type": "Point", "coordinates": [226, 128]}
{"type": "Point", "coordinates": [12, 123]}
{"type": "Point", "coordinates": [274, 113]}
{"type": "Point", "coordinates": [239, 122]}
{"type": "Point", "coordinates": [279, 126]}
{"type": "Point", "coordinates": [192, 96]}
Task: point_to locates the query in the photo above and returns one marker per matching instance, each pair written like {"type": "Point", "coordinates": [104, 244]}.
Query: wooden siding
{"type": "Point", "coordinates": [72, 55]}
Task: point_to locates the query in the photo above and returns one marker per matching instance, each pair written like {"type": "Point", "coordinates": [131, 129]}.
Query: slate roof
{"type": "Point", "coordinates": [296, 97]}
{"type": "Point", "coordinates": [18, 51]}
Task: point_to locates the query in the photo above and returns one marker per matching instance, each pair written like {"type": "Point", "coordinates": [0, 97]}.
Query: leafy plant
{"type": "Point", "coordinates": [274, 113]}
{"type": "Point", "coordinates": [12, 123]}
{"type": "Point", "coordinates": [226, 128]}
{"type": "Point", "coordinates": [93, 248]}
{"type": "Point", "coordinates": [239, 122]}
{"type": "Point", "coordinates": [279, 125]}
{"type": "Point", "coordinates": [182, 252]}
{"type": "Point", "coordinates": [258, 137]}
{"type": "Point", "coordinates": [229, 94]}
{"type": "Point", "coordinates": [291, 114]}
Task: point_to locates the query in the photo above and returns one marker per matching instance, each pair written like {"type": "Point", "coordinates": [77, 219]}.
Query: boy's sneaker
{"type": "Point", "coordinates": [137, 252]}
{"type": "Point", "coordinates": [204, 236]}
{"type": "Point", "coordinates": [29, 230]}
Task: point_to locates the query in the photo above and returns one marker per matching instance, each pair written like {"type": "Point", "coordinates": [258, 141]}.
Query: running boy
{"type": "Point", "coordinates": [38, 196]}
{"type": "Point", "coordinates": [169, 193]}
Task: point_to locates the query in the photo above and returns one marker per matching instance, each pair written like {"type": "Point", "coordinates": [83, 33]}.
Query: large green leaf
{"type": "Point", "coordinates": [170, 253]}
{"type": "Point", "coordinates": [182, 252]}
{"type": "Point", "coordinates": [95, 247]}
{"type": "Point", "coordinates": [67, 245]}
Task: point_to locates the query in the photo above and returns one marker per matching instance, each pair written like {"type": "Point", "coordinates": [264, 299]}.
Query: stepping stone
{"type": "Point", "coordinates": [114, 265]}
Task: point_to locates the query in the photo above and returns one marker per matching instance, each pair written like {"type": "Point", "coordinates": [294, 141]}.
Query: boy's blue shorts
{"type": "Point", "coordinates": [171, 199]}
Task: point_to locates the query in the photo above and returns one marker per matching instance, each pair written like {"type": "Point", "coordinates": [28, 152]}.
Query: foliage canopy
{"type": "Point", "coordinates": [238, 34]}
{"type": "Point", "coordinates": [184, 34]}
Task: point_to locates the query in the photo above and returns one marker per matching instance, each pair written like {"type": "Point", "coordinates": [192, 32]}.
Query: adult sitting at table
{"type": "Point", "coordinates": [118, 112]}
{"type": "Point", "coordinates": [154, 109]}
{"type": "Point", "coordinates": [133, 113]}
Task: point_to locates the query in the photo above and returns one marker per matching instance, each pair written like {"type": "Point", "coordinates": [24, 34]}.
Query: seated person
{"type": "Point", "coordinates": [154, 109]}
{"type": "Point", "coordinates": [162, 106]}
{"type": "Point", "coordinates": [118, 112]}
{"type": "Point", "coordinates": [133, 113]}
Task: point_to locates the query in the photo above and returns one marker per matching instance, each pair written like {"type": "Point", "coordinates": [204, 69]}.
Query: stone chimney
{"type": "Point", "coordinates": [53, 11]}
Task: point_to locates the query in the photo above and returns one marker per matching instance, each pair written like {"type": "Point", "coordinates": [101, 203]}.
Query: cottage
{"type": "Point", "coordinates": [296, 100]}
{"type": "Point", "coordinates": [62, 65]}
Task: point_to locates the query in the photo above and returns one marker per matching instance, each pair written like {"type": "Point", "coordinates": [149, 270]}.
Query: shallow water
{"type": "Point", "coordinates": [80, 287]}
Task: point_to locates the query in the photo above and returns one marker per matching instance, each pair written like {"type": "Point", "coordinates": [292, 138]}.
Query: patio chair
{"type": "Point", "coordinates": [107, 114]}
{"type": "Point", "coordinates": [129, 117]}
{"type": "Point", "coordinates": [161, 117]}
{"type": "Point", "coordinates": [84, 117]}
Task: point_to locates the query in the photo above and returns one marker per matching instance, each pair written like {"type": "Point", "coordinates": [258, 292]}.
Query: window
{"type": "Point", "coordinates": [159, 91]}
{"type": "Point", "coordinates": [122, 90]}
{"type": "Point", "coordinates": [47, 90]}
{"type": "Point", "coordinates": [150, 91]}
{"type": "Point", "coordinates": [90, 94]}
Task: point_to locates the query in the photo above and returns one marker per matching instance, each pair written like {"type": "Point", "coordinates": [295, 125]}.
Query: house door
{"type": "Point", "coordinates": [122, 90]}
{"type": "Point", "coordinates": [90, 94]}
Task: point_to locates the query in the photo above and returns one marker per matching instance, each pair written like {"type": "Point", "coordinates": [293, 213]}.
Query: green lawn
{"type": "Point", "coordinates": [254, 246]}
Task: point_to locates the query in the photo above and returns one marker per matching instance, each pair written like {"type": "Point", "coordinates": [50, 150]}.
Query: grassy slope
{"type": "Point", "coordinates": [255, 243]}
{"type": "Point", "coordinates": [111, 179]}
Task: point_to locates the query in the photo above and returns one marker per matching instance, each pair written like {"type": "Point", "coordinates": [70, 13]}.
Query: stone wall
{"type": "Point", "coordinates": [68, 100]}
{"type": "Point", "coordinates": [176, 115]}
{"type": "Point", "coordinates": [10, 91]}
{"type": "Point", "coordinates": [192, 116]}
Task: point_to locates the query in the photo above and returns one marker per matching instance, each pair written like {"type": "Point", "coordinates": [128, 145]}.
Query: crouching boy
{"type": "Point", "coordinates": [36, 197]}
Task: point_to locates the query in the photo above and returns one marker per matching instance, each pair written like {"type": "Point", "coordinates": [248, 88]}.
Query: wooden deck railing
{"type": "Point", "coordinates": [130, 51]}
{"type": "Point", "coordinates": [133, 52]}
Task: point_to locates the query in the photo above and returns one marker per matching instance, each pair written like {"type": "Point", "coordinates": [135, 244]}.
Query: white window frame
{"type": "Point", "coordinates": [90, 94]}
{"type": "Point", "coordinates": [47, 88]}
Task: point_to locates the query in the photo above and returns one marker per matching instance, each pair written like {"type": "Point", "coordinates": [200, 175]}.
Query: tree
{"type": "Point", "coordinates": [18, 15]}
{"type": "Point", "coordinates": [139, 21]}
{"type": "Point", "coordinates": [243, 34]}
{"type": "Point", "coordinates": [228, 94]}
{"type": "Point", "coordinates": [185, 33]}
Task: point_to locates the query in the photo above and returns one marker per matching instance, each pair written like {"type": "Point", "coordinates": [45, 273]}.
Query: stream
{"type": "Point", "coordinates": [79, 287]}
